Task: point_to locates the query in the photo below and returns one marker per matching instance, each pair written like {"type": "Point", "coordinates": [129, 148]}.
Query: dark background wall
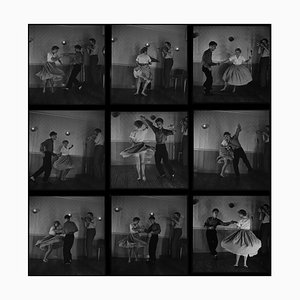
{"type": "Point", "coordinates": [141, 206]}
{"type": "Point", "coordinates": [129, 39]}
{"type": "Point", "coordinates": [51, 209]}
{"type": "Point", "coordinates": [207, 141]}
{"type": "Point", "coordinates": [122, 126]}
{"type": "Point", "coordinates": [202, 210]}
{"type": "Point", "coordinates": [245, 37]}
{"type": "Point", "coordinates": [80, 124]}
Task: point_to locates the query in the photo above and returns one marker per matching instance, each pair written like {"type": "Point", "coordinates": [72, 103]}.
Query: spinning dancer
{"type": "Point", "coordinates": [64, 162]}
{"type": "Point", "coordinates": [142, 71]}
{"type": "Point", "coordinates": [225, 156]}
{"type": "Point", "coordinates": [207, 63]}
{"type": "Point", "coordinates": [47, 149]}
{"type": "Point", "coordinates": [211, 233]}
{"type": "Point", "coordinates": [53, 240]}
{"type": "Point", "coordinates": [155, 230]}
{"type": "Point", "coordinates": [133, 241]}
{"type": "Point", "coordinates": [243, 241]}
{"type": "Point", "coordinates": [90, 226]}
{"type": "Point", "coordinates": [168, 55]}
{"type": "Point", "coordinates": [76, 61]}
{"type": "Point", "coordinates": [237, 74]}
{"type": "Point", "coordinates": [161, 153]}
{"type": "Point", "coordinates": [238, 151]}
{"type": "Point", "coordinates": [138, 148]}
{"type": "Point", "coordinates": [69, 229]}
{"type": "Point", "coordinates": [264, 62]}
{"type": "Point", "coordinates": [50, 72]}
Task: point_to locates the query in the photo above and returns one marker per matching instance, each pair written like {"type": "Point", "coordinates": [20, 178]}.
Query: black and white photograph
{"type": "Point", "coordinates": [66, 236]}
{"type": "Point", "coordinates": [149, 235]}
{"type": "Point", "coordinates": [232, 234]}
{"type": "Point", "coordinates": [66, 150]}
{"type": "Point", "coordinates": [232, 150]}
{"type": "Point", "coordinates": [232, 63]}
{"type": "Point", "coordinates": [149, 150]}
{"type": "Point", "coordinates": [66, 64]}
{"type": "Point", "coordinates": [149, 64]}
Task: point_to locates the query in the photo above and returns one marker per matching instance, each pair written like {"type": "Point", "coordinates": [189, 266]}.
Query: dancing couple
{"type": "Point", "coordinates": [237, 74]}
{"type": "Point", "coordinates": [231, 150]}
{"type": "Point", "coordinates": [242, 242]}
{"type": "Point", "coordinates": [139, 148]}
{"type": "Point", "coordinates": [59, 236]}
{"type": "Point", "coordinates": [134, 241]}
{"type": "Point", "coordinates": [63, 163]}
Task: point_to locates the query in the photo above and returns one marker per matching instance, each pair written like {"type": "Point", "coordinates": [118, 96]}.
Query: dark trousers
{"type": "Point", "coordinates": [240, 153]}
{"type": "Point", "coordinates": [212, 240]}
{"type": "Point", "coordinates": [265, 236]}
{"type": "Point", "coordinates": [98, 161]}
{"type": "Point", "coordinates": [175, 242]}
{"type": "Point", "coordinates": [45, 168]}
{"type": "Point", "coordinates": [161, 154]}
{"type": "Point", "coordinates": [264, 71]}
{"type": "Point", "coordinates": [72, 79]}
{"type": "Point", "coordinates": [185, 152]}
{"type": "Point", "coordinates": [168, 64]}
{"type": "Point", "coordinates": [90, 234]}
{"type": "Point", "coordinates": [93, 69]}
{"type": "Point", "coordinates": [68, 243]}
{"type": "Point", "coordinates": [209, 79]}
{"type": "Point", "coordinates": [152, 247]}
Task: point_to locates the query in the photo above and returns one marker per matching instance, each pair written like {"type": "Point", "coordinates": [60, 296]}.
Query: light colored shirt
{"type": "Point", "coordinates": [138, 136]}
{"type": "Point", "coordinates": [168, 54]}
{"type": "Point", "coordinates": [94, 50]}
{"type": "Point", "coordinates": [51, 56]}
{"type": "Point", "coordinates": [244, 224]}
{"type": "Point", "coordinates": [237, 60]}
{"type": "Point", "coordinates": [91, 224]}
{"type": "Point", "coordinates": [52, 230]}
{"type": "Point", "coordinates": [99, 140]}
{"type": "Point", "coordinates": [134, 228]}
{"type": "Point", "coordinates": [143, 59]}
{"type": "Point", "coordinates": [224, 143]}
{"type": "Point", "coordinates": [264, 52]}
{"type": "Point", "coordinates": [64, 151]}
{"type": "Point", "coordinates": [184, 130]}
{"type": "Point", "coordinates": [178, 223]}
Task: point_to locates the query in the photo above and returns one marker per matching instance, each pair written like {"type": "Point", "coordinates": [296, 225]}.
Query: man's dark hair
{"type": "Point", "coordinates": [52, 133]}
{"type": "Point", "coordinates": [54, 48]}
{"type": "Point", "coordinates": [159, 120]}
{"type": "Point", "coordinates": [90, 213]}
{"type": "Point", "coordinates": [67, 217]}
{"type": "Point", "coordinates": [238, 49]}
{"type": "Point", "coordinates": [151, 218]}
{"type": "Point", "coordinates": [98, 130]}
{"type": "Point", "coordinates": [138, 123]}
{"type": "Point", "coordinates": [226, 133]}
{"type": "Point", "coordinates": [93, 40]}
{"type": "Point", "coordinates": [177, 213]}
{"type": "Point", "coordinates": [212, 43]}
{"type": "Point", "coordinates": [215, 210]}
{"type": "Point", "coordinates": [168, 43]}
{"type": "Point", "coordinates": [242, 212]}
{"type": "Point", "coordinates": [136, 219]}
{"type": "Point", "coordinates": [77, 47]}
{"type": "Point", "coordinates": [65, 141]}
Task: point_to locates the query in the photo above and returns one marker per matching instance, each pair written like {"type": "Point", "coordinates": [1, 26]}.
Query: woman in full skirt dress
{"type": "Point", "coordinates": [243, 241]}
{"type": "Point", "coordinates": [142, 71]}
{"type": "Point", "coordinates": [237, 74]}
{"type": "Point", "coordinates": [133, 242]}
{"type": "Point", "coordinates": [53, 240]}
{"type": "Point", "coordinates": [50, 72]}
{"type": "Point", "coordinates": [225, 156]}
{"type": "Point", "coordinates": [64, 163]}
{"type": "Point", "coordinates": [138, 149]}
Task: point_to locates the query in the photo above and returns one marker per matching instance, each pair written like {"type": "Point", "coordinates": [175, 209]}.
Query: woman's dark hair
{"type": "Point", "coordinates": [93, 40]}
{"type": "Point", "coordinates": [144, 50]}
{"type": "Point", "coordinates": [159, 120]}
{"type": "Point", "coordinates": [177, 213]}
{"type": "Point", "coordinates": [98, 130]}
{"type": "Point", "coordinates": [168, 43]}
{"type": "Point", "coordinates": [65, 141]}
{"type": "Point", "coordinates": [215, 210]}
{"type": "Point", "coordinates": [138, 123]}
{"type": "Point", "coordinates": [266, 40]}
{"type": "Point", "coordinates": [212, 43]}
{"type": "Point", "coordinates": [67, 217]}
{"type": "Point", "coordinates": [151, 218]}
{"type": "Point", "coordinates": [57, 222]}
{"type": "Point", "coordinates": [77, 47]}
{"type": "Point", "coordinates": [90, 213]}
{"type": "Point", "coordinates": [242, 212]}
{"type": "Point", "coordinates": [54, 48]}
{"type": "Point", "coordinates": [226, 133]}
{"type": "Point", "coordinates": [238, 49]}
{"type": "Point", "coordinates": [136, 219]}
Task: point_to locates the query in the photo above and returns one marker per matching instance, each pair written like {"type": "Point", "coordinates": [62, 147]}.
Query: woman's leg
{"type": "Point", "coordinates": [245, 261]}
{"type": "Point", "coordinates": [225, 86]}
{"type": "Point", "coordinates": [64, 174]}
{"type": "Point", "coordinates": [45, 85]}
{"type": "Point", "coordinates": [142, 159]}
{"type": "Point", "coordinates": [136, 253]}
{"type": "Point", "coordinates": [138, 85]}
{"type": "Point", "coordinates": [129, 255]}
{"type": "Point", "coordinates": [224, 167]}
{"type": "Point", "coordinates": [237, 260]}
{"type": "Point", "coordinates": [138, 165]}
{"type": "Point", "coordinates": [52, 85]}
{"type": "Point", "coordinates": [234, 89]}
{"type": "Point", "coordinates": [144, 87]}
{"type": "Point", "coordinates": [49, 250]}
